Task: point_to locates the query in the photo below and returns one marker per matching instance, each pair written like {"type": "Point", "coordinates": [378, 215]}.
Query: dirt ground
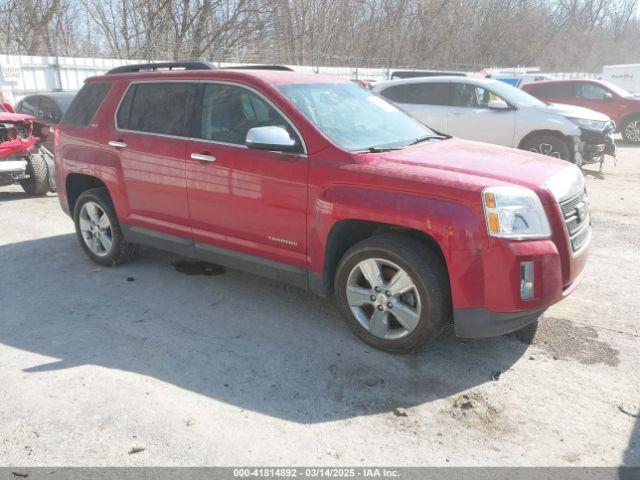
{"type": "Point", "coordinates": [160, 362]}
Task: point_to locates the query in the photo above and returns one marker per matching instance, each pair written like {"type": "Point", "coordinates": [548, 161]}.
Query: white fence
{"type": "Point", "coordinates": [23, 75]}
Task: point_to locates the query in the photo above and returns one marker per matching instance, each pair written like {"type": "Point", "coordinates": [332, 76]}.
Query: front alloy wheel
{"type": "Point", "coordinates": [393, 292]}
{"type": "Point", "coordinates": [383, 298]}
{"type": "Point", "coordinates": [631, 131]}
{"type": "Point", "coordinates": [550, 145]}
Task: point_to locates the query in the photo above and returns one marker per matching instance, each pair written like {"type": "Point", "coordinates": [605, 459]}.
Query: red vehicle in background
{"type": "Point", "coordinates": [320, 183]}
{"type": "Point", "coordinates": [22, 160]}
{"type": "Point", "coordinates": [605, 97]}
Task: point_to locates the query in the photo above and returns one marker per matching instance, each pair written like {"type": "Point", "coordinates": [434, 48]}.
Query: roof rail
{"type": "Point", "coordinates": [282, 68]}
{"type": "Point", "coordinates": [161, 66]}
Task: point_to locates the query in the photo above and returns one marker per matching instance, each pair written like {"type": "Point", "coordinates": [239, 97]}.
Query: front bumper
{"type": "Point", "coordinates": [593, 145]}
{"type": "Point", "coordinates": [12, 171]}
{"type": "Point", "coordinates": [499, 307]}
{"type": "Point", "coordinates": [483, 323]}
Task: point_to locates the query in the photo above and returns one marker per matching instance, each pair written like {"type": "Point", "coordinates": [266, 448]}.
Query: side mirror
{"type": "Point", "coordinates": [271, 138]}
{"type": "Point", "coordinates": [498, 105]}
{"type": "Point", "coordinates": [607, 97]}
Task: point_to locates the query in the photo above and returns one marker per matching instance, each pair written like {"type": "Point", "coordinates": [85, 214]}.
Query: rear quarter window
{"type": "Point", "coordinates": [85, 104]}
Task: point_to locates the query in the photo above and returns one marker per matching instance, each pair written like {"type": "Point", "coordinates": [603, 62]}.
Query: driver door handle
{"type": "Point", "coordinates": [203, 157]}
{"type": "Point", "coordinates": [116, 144]}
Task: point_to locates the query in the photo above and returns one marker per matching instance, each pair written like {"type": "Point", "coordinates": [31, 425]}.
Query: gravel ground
{"type": "Point", "coordinates": [148, 365]}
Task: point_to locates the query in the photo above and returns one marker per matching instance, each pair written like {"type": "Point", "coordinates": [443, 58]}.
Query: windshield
{"type": "Point", "coordinates": [616, 89]}
{"type": "Point", "coordinates": [515, 96]}
{"type": "Point", "coordinates": [354, 118]}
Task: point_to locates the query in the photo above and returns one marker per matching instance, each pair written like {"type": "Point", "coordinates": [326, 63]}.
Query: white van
{"type": "Point", "coordinates": [625, 76]}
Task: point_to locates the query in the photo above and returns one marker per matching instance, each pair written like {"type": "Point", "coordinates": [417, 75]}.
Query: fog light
{"type": "Point", "coordinates": [526, 280]}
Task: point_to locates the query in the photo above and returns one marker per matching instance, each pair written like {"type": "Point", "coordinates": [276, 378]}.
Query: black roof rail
{"type": "Point", "coordinates": [282, 68]}
{"type": "Point", "coordinates": [162, 65]}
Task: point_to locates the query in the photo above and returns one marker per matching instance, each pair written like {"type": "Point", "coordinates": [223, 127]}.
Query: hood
{"type": "Point", "coordinates": [475, 164]}
{"type": "Point", "coordinates": [14, 117]}
{"type": "Point", "coordinates": [571, 111]}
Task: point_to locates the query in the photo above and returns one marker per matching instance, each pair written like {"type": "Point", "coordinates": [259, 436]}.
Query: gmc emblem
{"type": "Point", "coordinates": [582, 209]}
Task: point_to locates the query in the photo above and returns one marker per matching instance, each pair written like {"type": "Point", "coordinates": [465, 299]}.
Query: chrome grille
{"type": "Point", "coordinates": [576, 212]}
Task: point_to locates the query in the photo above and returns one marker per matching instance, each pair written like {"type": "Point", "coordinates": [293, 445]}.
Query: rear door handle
{"type": "Point", "coordinates": [117, 144]}
{"type": "Point", "coordinates": [203, 157]}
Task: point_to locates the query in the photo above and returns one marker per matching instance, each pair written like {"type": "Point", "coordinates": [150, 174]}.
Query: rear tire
{"type": "Point", "coordinates": [98, 229]}
{"type": "Point", "coordinates": [631, 130]}
{"type": "Point", "coordinates": [550, 145]}
{"type": "Point", "coordinates": [38, 181]}
{"type": "Point", "coordinates": [394, 321]}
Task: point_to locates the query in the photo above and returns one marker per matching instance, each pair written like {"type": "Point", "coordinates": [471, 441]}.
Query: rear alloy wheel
{"type": "Point", "coordinates": [98, 229]}
{"type": "Point", "coordinates": [393, 292]}
{"type": "Point", "coordinates": [549, 145]}
{"type": "Point", "coordinates": [631, 130]}
{"type": "Point", "coordinates": [95, 229]}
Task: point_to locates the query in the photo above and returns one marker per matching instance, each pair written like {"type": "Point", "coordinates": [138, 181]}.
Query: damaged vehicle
{"type": "Point", "coordinates": [23, 160]}
{"type": "Point", "coordinates": [495, 112]}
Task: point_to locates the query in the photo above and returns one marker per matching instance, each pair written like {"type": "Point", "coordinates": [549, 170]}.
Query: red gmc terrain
{"type": "Point", "coordinates": [320, 183]}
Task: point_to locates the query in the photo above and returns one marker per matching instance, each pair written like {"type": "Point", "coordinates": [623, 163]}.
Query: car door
{"type": "Point", "coordinates": [472, 118]}
{"type": "Point", "coordinates": [151, 135]}
{"type": "Point", "coordinates": [426, 101]}
{"type": "Point", "coordinates": [244, 203]}
{"type": "Point", "coordinates": [596, 97]}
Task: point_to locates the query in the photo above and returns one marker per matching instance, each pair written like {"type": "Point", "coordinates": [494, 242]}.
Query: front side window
{"type": "Point", "coordinates": [471, 96]}
{"type": "Point", "coordinates": [589, 91]}
{"type": "Point", "coordinates": [162, 108]}
{"type": "Point", "coordinates": [354, 118]}
{"type": "Point", "coordinates": [228, 112]}
{"type": "Point", "coordinates": [48, 110]}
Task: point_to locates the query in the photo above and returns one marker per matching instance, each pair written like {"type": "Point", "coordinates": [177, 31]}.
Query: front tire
{"type": "Point", "coordinates": [631, 130]}
{"type": "Point", "coordinates": [550, 145]}
{"type": "Point", "coordinates": [393, 291]}
{"type": "Point", "coordinates": [38, 181]}
{"type": "Point", "coordinates": [98, 229]}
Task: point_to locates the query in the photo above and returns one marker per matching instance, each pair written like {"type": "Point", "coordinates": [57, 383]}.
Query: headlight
{"type": "Point", "coordinates": [590, 124]}
{"type": "Point", "coordinates": [514, 212]}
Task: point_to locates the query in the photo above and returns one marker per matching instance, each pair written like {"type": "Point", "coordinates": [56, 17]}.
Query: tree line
{"type": "Point", "coordinates": [558, 35]}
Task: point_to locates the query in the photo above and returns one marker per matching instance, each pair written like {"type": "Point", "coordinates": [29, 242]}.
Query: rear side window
{"type": "Point", "coordinates": [419, 93]}
{"type": "Point", "coordinates": [554, 90]}
{"type": "Point", "coordinates": [85, 104]}
{"type": "Point", "coordinates": [29, 105]}
{"type": "Point", "coordinates": [162, 107]}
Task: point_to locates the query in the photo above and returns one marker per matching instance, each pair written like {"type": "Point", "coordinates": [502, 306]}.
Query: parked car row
{"type": "Point", "coordinates": [329, 186]}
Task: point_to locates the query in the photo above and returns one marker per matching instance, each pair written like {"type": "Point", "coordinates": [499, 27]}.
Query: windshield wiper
{"type": "Point", "coordinates": [377, 149]}
{"type": "Point", "coordinates": [427, 137]}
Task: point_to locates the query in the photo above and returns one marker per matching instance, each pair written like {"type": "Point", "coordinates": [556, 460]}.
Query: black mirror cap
{"type": "Point", "coordinates": [295, 148]}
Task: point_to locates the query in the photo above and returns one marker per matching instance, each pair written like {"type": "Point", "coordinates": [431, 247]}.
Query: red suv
{"type": "Point", "coordinates": [320, 183]}
{"type": "Point", "coordinates": [605, 97]}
